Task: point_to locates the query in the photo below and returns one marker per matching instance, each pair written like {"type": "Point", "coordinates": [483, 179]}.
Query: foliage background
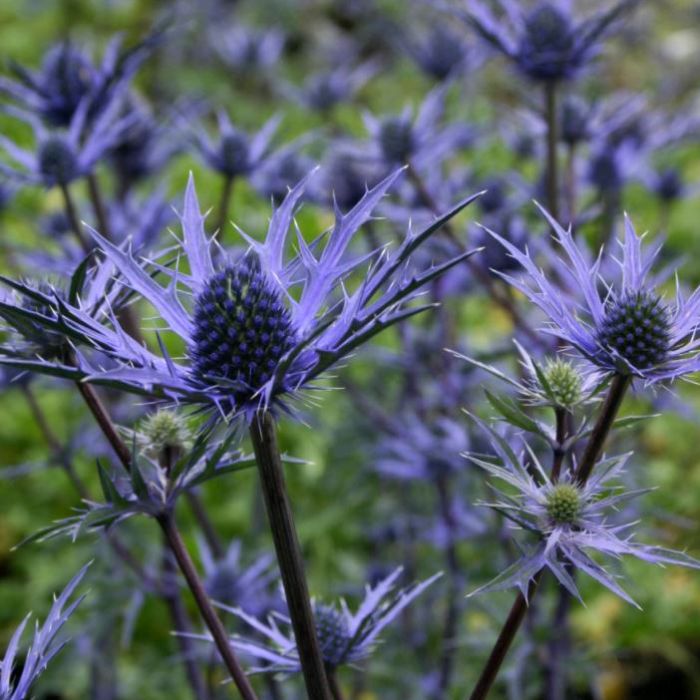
{"type": "Point", "coordinates": [637, 655]}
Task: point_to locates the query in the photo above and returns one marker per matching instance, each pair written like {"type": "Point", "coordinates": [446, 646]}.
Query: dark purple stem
{"type": "Point", "coordinates": [552, 119]}
{"type": "Point", "coordinates": [74, 221]}
{"type": "Point", "coordinates": [211, 619]}
{"type": "Point", "coordinates": [336, 690]}
{"type": "Point", "coordinates": [263, 433]}
{"type": "Point", "coordinates": [225, 203]}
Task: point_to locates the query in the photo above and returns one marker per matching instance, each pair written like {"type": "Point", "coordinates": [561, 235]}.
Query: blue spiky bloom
{"type": "Point", "coordinates": [234, 153]}
{"type": "Point", "coordinates": [68, 77]}
{"type": "Point", "coordinates": [257, 328]}
{"type": "Point", "coordinates": [544, 40]}
{"type": "Point", "coordinates": [621, 325]}
{"type": "Point", "coordinates": [565, 523]}
{"type": "Point", "coordinates": [345, 637]}
{"type": "Point", "coordinates": [61, 156]}
{"type": "Point", "coordinates": [16, 683]}
{"type": "Point", "coordinates": [419, 138]}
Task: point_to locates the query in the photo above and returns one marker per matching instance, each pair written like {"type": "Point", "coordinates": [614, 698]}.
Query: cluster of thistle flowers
{"type": "Point", "coordinates": [244, 334]}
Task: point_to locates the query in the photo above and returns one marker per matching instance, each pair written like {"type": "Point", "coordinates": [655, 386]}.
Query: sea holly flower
{"type": "Point", "coordinates": [249, 49]}
{"type": "Point", "coordinates": [568, 521]}
{"type": "Point", "coordinates": [68, 77]}
{"type": "Point", "coordinates": [419, 139]}
{"type": "Point", "coordinates": [154, 482]}
{"type": "Point", "coordinates": [62, 156]}
{"type": "Point", "coordinates": [544, 40]}
{"type": "Point", "coordinates": [257, 328]}
{"type": "Point", "coordinates": [17, 681]}
{"type": "Point", "coordinates": [422, 452]}
{"type": "Point", "coordinates": [235, 153]}
{"type": "Point", "coordinates": [443, 54]}
{"type": "Point", "coordinates": [345, 637]}
{"type": "Point", "coordinates": [626, 329]}
{"type": "Point", "coordinates": [321, 92]}
{"type": "Point", "coordinates": [228, 581]}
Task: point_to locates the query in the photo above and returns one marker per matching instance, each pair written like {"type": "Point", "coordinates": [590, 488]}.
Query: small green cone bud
{"type": "Point", "coordinates": [165, 431]}
{"type": "Point", "coordinates": [564, 383]}
{"type": "Point", "coordinates": [564, 504]}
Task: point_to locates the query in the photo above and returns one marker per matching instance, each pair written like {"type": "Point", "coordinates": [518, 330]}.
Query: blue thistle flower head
{"type": "Point", "coordinates": [555, 381]}
{"type": "Point", "coordinates": [345, 177]}
{"type": "Point", "coordinates": [249, 49]}
{"type": "Point", "coordinates": [566, 522]}
{"type": "Point", "coordinates": [62, 156]}
{"type": "Point", "coordinates": [575, 120]}
{"type": "Point", "coordinates": [631, 329]}
{"type": "Point", "coordinates": [421, 138]}
{"type": "Point", "coordinates": [144, 148]}
{"type": "Point", "coordinates": [321, 92]}
{"type": "Point", "coordinates": [68, 78]}
{"type": "Point", "coordinates": [234, 153]}
{"type": "Point", "coordinates": [442, 53]}
{"type": "Point", "coordinates": [545, 41]}
{"type": "Point", "coordinates": [423, 452]}
{"type": "Point", "coordinates": [281, 171]}
{"type": "Point", "coordinates": [345, 637]}
{"type": "Point", "coordinates": [227, 580]}
{"type": "Point", "coordinates": [258, 328]}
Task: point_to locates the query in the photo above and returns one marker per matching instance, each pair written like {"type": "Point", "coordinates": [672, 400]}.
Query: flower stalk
{"type": "Point", "coordinates": [227, 187]}
{"type": "Point", "coordinates": [73, 220]}
{"type": "Point", "coordinates": [289, 557]}
{"type": "Point", "coordinates": [552, 119]}
{"type": "Point", "coordinates": [211, 619]}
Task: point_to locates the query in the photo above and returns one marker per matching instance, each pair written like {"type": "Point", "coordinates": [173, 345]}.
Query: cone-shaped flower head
{"type": "Point", "coordinates": [345, 637]}
{"type": "Point", "coordinates": [544, 40]}
{"type": "Point", "coordinates": [257, 327]}
{"type": "Point", "coordinates": [622, 325]}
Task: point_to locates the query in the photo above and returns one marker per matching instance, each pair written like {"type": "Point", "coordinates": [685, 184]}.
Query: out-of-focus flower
{"type": "Point", "coordinates": [321, 92]}
{"type": "Point", "coordinates": [667, 184]}
{"type": "Point", "coordinates": [345, 637]}
{"type": "Point", "coordinates": [248, 49]}
{"type": "Point", "coordinates": [422, 452]}
{"type": "Point", "coordinates": [442, 53]}
{"type": "Point", "coordinates": [228, 582]}
{"type": "Point", "coordinates": [421, 139]}
{"type": "Point", "coordinates": [281, 171]}
{"type": "Point", "coordinates": [235, 153]}
{"type": "Point", "coordinates": [544, 40]}
{"type": "Point", "coordinates": [68, 78]}
{"type": "Point", "coordinates": [144, 148]}
{"type": "Point", "coordinates": [60, 157]}
{"type": "Point", "coordinates": [631, 330]}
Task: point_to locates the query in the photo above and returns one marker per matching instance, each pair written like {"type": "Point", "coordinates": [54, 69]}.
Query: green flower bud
{"type": "Point", "coordinates": [564, 383]}
{"type": "Point", "coordinates": [165, 430]}
{"type": "Point", "coordinates": [564, 504]}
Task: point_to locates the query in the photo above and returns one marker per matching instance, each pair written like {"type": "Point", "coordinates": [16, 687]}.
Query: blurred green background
{"type": "Point", "coordinates": [650, 654]}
